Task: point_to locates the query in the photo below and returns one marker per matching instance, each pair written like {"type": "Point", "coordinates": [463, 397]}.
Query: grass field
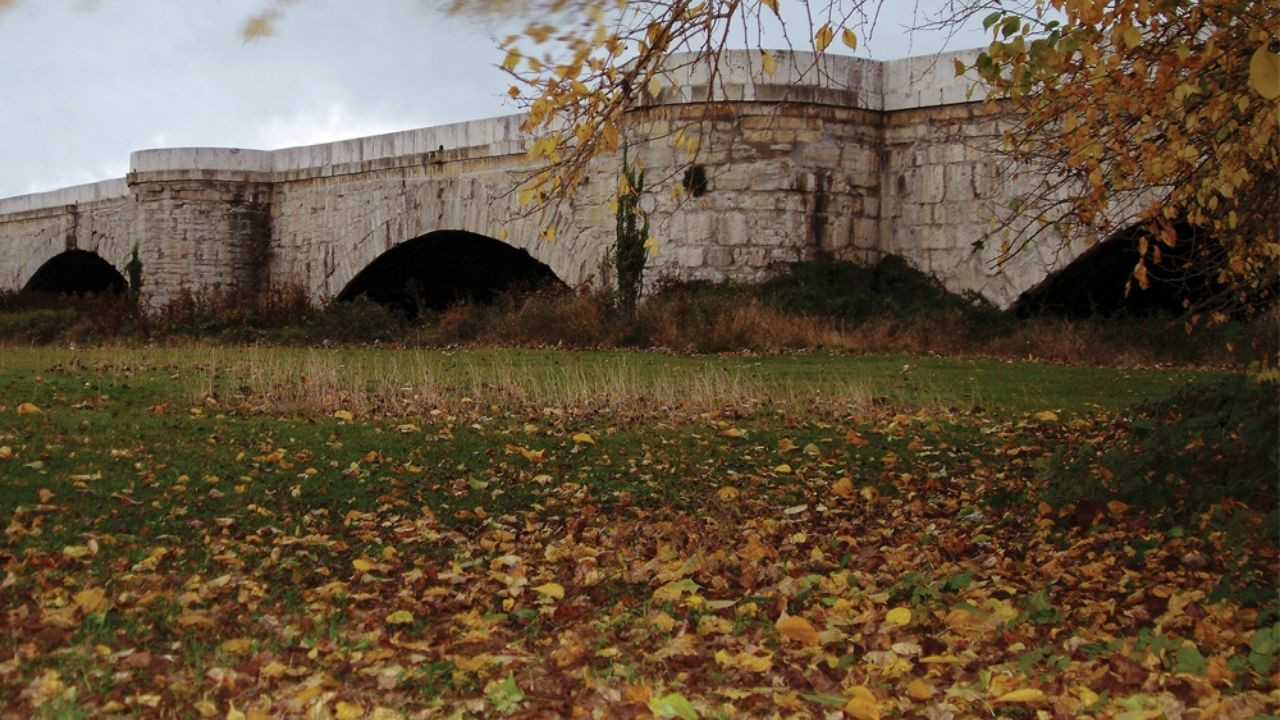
{"type": "Point", "coordinates": [204, 532]}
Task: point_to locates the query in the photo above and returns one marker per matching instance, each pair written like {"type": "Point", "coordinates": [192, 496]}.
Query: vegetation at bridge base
{"type": "Point", "coordinates": [824, 306]}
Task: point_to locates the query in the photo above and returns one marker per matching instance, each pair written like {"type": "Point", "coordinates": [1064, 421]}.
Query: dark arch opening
{"type": "Point", "coordinates": [76, 272]}
{"type": "Point", "coordinates": [439, 269]}
{"type": "Point", "coordinates": [1094, 284]}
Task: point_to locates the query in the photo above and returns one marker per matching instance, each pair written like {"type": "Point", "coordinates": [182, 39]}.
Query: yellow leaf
{"type": "Point", "coordinates": [918, 689]}
{"type": "Point", "coordinates": [551, 590]}
{"type": "Point", "coordinates": [733, 433]}
{"type": "Point", "coordinates": [785, 446]}
{"type": "Point", "coordinates": [610, 134]}
{"type": "Point", "coordinates": [727, 493]}
{"type": "Point", "coordinates": [768, 63]}
{"type": "Point", "coordinates": [254, 28]}
{"type": "Point", "coordinates": [44, 494]}
{"type": "Point", "coordinates": [960, 68]}
{"type": "Point", "coordinates": [1025, 695]}
{"type": "Point", "coordinates": [783, 469]}
{"type": "Point", "coordinates": [511, 60]}
{"type": "Point", "coordinates": [1132, 36]}
{"type": "Point", "coordinates": [27, 408]}
{"type": "Point", "coordinates": [849, 39]}
{"type": "Point", "coordinates": [798, 629]}
{"type": "Point", "coordinates": [862, 704]}
{"type": "Point", "coordinates": [91, 600]}
{"type": "Point", "coordinates": [789, 701]}
{"type": "Point", "coordinates": [771, 4]}
{"type": "Point", "coordinates": [584, 439]}
{"type": "Point", "coordinates": [344, 415]}
{"type": "Point", "coordinates": [822, 39]}
{"type": "Point", "coordinates": [6, 452]}
{"type": "Point", "coordinates": [843, 487]}
{"type": "Point", "coordinates": [362, 564]}
{"type": "Point", "coordinates": [1046, 416]}
{"type": "Point", "coordinates": [533, 456]}
{"type": "Point", "coordinates": [235, 646]}
{"type": "Point", "coordinates": [193, 618]}
{"type": "Point", "coordinates": [898, 616]}
{"type": "Point", "coordinates": [655, 86]}
{"type": "Point", "coordinates": [234, 714]}
{"type": "Point", "coordinates": [942, 660]}
{"type": "Point", "coordinates": [347, 711]}
{"type": "Point", "coordinates": [1264, 73]}
{"type": "Point", "coordinates": [400, 617]}
{"type": "Point", "coordinates": [854, 438]}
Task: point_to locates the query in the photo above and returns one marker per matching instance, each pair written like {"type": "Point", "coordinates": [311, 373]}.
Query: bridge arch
{"type": "Point", "coordinates": [1094, 283]}
{"type": "Point", "coordinates": [76, 272]}
{"type": "Point", "coordinates": [443, 267]}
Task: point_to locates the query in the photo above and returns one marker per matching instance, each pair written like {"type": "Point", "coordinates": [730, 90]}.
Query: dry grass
{"type": "Point", "coordinates": [419, 384]}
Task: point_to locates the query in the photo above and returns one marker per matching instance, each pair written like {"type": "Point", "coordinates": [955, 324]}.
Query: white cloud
{"type": "Point", "coordinates": [336, 122]}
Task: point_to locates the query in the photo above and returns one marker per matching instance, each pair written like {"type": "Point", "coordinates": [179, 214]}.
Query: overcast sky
{"type": "Point", "coordinates": [85, 82]}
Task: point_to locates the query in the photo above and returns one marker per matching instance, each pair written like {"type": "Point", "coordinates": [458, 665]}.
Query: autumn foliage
{"type": "Point", "coordinates": [1151, 113]}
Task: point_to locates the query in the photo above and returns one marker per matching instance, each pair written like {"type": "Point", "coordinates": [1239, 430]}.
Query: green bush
{"type": "Point", "coordinates": [850, 293]}
{"type": "Point", "coordinates": [39, 326]}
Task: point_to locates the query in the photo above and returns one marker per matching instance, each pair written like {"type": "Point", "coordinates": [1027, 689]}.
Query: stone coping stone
{"type": "Point", "coordinates": [74, 195]}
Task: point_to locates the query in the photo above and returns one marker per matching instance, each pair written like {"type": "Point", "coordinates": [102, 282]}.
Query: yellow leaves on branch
{"type": "Point", "coordinates": [768, 63]}
{"type": "Point", "coordinates": [1153, 114]}
{"type": "Point", "coordinates": [1264, 71]}
{"type": "Point", "coordinates": [822, 39]}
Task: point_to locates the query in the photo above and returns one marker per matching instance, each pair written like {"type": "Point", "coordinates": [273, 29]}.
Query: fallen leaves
{"type": "Point", "coordinates": [797, 628]}
{"type": "Point", "coordinates": [400, 617]}
{"type": "Point", "coordinates": [1022, 696]}
{"type": "Point", "coordinates": [862, 704]}
{"type": "Point", "coordinates": [384, 570]}
{"type": "Point", "coordinates": [898, 616]}
{"type": "Point", "coordinates": [554, 591]}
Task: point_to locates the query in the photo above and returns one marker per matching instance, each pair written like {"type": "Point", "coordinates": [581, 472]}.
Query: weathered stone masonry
{"type": "Point", "coordinates": [831, 156]}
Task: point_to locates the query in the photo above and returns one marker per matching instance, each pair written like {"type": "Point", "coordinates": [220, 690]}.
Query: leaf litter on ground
{"type": "Point", "coordinates": [497, 563]}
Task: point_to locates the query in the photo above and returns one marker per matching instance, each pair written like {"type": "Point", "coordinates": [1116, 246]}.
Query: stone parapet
{"type": "Point", "coordinates": [74, 195]}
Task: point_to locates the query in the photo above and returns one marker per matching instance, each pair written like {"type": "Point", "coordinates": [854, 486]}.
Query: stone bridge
{"type": "Point", "coordinates": [829, 157]}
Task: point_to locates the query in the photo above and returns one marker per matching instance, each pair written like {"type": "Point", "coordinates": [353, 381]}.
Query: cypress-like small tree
{"type": "Point", "coordinates": [628, 252]}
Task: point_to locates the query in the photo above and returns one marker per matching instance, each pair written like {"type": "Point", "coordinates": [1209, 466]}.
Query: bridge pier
{"type": "Point", "coordinates": [202, 221]}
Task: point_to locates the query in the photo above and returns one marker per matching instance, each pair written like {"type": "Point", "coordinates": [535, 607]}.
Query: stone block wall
{"type": "Point", "coordinates": [785, 182]}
